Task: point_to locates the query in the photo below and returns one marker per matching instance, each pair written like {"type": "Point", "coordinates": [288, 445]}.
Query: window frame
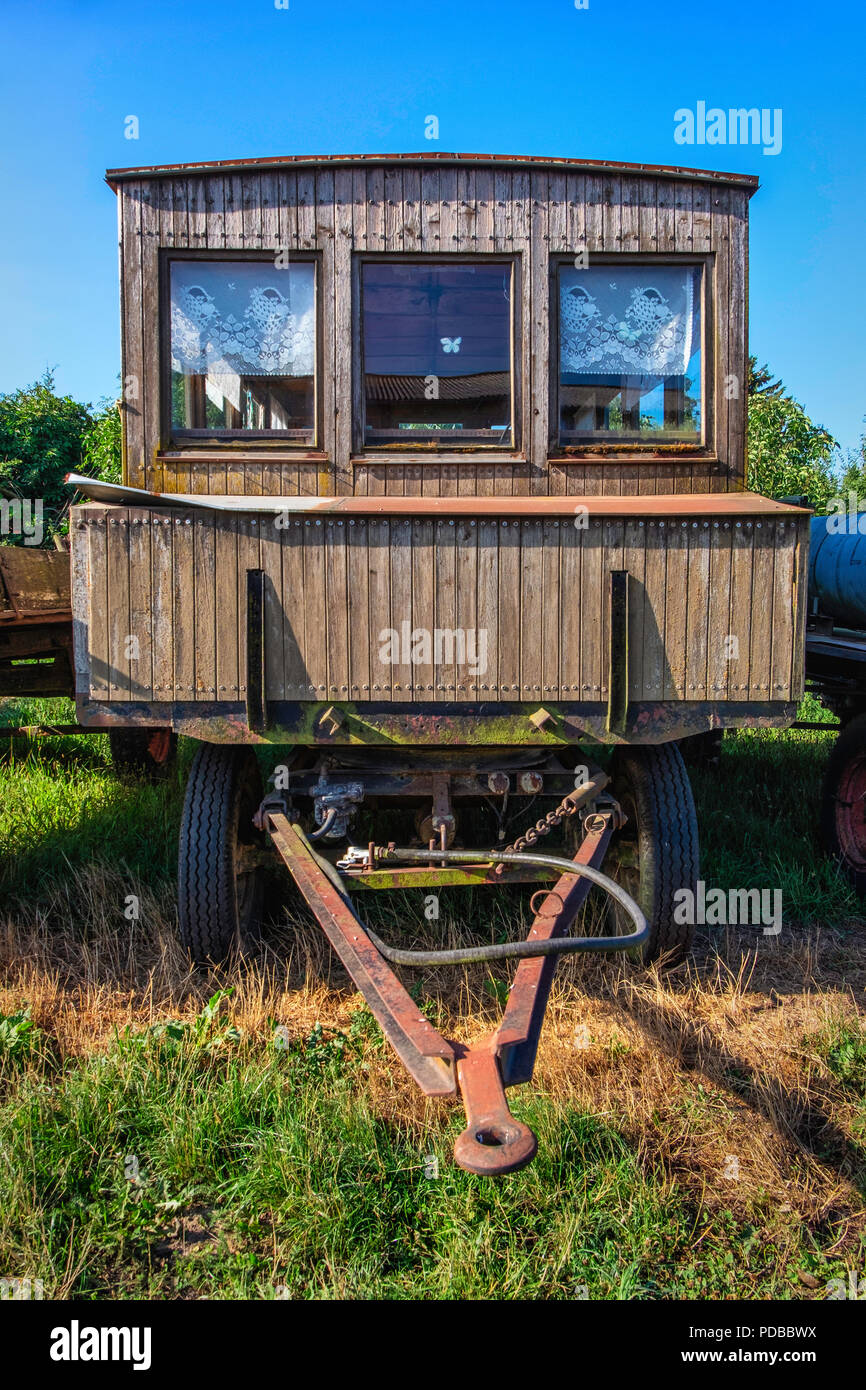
{"type": "Point", "coordinates": [611, 446]}
{"type": "Point", "coordinates": [208, 438]}
{"type": "Point", "coordinates": [437, 451]}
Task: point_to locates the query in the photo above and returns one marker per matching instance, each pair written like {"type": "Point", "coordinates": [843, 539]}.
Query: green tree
{"type": "Point", "coordinates": [44, 436]}
{"type": "Point", "coordinates": [761, 381]}
{"type": "Point", "coordinates": [102, 444]}
{"type": "Point", "coordinates": [788, 454]}
{"type": "Point", "coordinates": [853, 475]}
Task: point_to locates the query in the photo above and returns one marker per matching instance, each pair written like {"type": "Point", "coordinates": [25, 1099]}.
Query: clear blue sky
{"type": "Point", "coordinates": [217, 79]}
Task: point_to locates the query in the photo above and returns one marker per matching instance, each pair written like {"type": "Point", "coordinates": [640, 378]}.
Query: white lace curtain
{"type": "Point", "coordinates": [234, 318]}
{"type": "Point", "coordinates": [618, 321]}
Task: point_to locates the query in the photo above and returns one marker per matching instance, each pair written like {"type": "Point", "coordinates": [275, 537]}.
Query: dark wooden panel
{"type": "Point", "coordinates": [441, 209]}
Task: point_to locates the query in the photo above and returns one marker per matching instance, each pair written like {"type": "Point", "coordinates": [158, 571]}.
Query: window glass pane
{"type": "Point", "coordinates": [630, 353]}
{"type": "Point", "coordinates": [437, 353]}
{"type": "Point", "coordinates": [243, 347]}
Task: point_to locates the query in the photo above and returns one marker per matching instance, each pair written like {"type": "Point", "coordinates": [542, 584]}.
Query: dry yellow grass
{"type": "Point", "coordinates": [707, 1068]}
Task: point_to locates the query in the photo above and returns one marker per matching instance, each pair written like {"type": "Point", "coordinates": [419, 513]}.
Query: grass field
{"type": "Point", "coordinates": [170, 1134]}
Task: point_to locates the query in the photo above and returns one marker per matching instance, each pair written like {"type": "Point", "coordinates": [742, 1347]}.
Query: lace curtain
{"type": "Point", "coordinates": [640, 320]}
{"type": "Point", "coordinates": [235, 318]}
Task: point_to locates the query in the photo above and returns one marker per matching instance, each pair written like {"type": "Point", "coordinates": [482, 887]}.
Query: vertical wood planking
{"type": "Point", "coordinates": [573, 614]}
{"type": "Point", "coordinates": [204, 633]}
{"type": "Point", "coordinates": [719, 621]}
{"type": "Point", "coordinates": [508, 676]}
{"type": "Point", "coordinates": [98, 607]}
{"type": "Point", "coordinates": [273, 529]}
{"type": "Point", "coordinates": [741, 606]}
{"type": "Point", "coordinates": [488, 599]}
{"type": "Point", "coordinates": [343, 318]}
{"type": "Point", "coordinates": [226, 550]}
{"type": "Point", "coordinates": [378, 561]}
{"type": "Point", "coordinates": [423, 604]}
{"type": "Point", "coordinates": [361, 635]}
{"type": "Point", "coordinates": [676, 606]}
{"type": "Point", "coordinates": [697, 633]}
{"type": "Point", "coordinates": [540, 320]}
{"type": "Point", "coordinates": [531, 608]}
{"type": "Point", "coordinates": [184, 607]}
{"type": "Point", "coordinates": [140, 606]}
{"type": "Point", "coordinates": [592, 577]}
{"type": "Point", "coordinates": [720, 281]}
{"type": "Point", "coordinates": [161, 544]}
{"type": "Point", "coordinates": [467, 678]}
{"type": "Point", "coordinates": [324, 233]}
{"type": "Point", "coordinates": [401, 605]}
{"type": "Point", "coordinates": [761, 630]}
{"type": "Point", "coordinates": [654, 613]}
{"type": "Point", "coordinates": [316, 608]}
{"type": "Point", "coordinates": [781, 669]}
{"type": "Point", "coordinates": [738, 345]}
{"type": "Point", "coordinates": [335, 594]}
{"type": "Point", "coordinates": [118, 605]}
{"type": "Point", "coordinates": [234, 212]}
{"type": "Point", "coordinates": [297, 679]}
{"type": "Point", "coordinates": [551, 610]}
{"type": "Point", "coordinates": [634, 562]}
{"type": "Point", "coordinates": [134, 378]}
{"type": "Point", "coordinates": [445, 599]}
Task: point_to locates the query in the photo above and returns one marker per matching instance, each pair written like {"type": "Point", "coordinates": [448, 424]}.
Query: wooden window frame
{"type": "Point", "coordinates": [258, 440]}
{"type": "Point", "coordinates": [384, 453]}
{"type": "Point", "coordinates": [613, 451]}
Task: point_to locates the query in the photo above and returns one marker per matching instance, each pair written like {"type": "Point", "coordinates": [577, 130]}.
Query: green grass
{"type": "Point", "coordinates": [191, 1159]}
{"type": "Point", "coordinates": [292, 1186]}
{"type": "Point", "coordinates": [758, 819]}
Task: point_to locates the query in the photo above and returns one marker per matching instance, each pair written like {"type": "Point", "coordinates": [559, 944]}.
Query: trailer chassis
{"type": "Point", "coordinates": [493, 1142]}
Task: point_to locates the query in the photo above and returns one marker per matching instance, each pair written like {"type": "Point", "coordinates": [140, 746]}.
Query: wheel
{"type": "Point", "coordinates": [148, 753]}
{"type": "Point", "coordinates": [220, 880]}
{"type": "Point", "coordinates": [657, 849]}
{"type": "Point", "coordinates": [843, 804]}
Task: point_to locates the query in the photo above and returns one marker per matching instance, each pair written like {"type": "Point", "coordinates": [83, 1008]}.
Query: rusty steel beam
{"type": "Point", "coordinates": [427, 1056]}
{"type": "Point", "coordinates": [429, 876]}
{"type": "Point", "coordinates": [493, 1142]}
{"type": "Point", "coordinates": [516, 1038]}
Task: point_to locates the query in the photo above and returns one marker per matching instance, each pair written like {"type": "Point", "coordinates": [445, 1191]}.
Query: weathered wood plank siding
{"type": "Point", "coordinates": [429, 209]}
{"type": "Point", "coordinates": [520, 606]}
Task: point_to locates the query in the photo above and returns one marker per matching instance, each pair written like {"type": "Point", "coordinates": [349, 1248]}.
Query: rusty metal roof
{"type": "Point", "coordinates": [681, 504]}
{"type": "Point", "coordinates": [533, 161]}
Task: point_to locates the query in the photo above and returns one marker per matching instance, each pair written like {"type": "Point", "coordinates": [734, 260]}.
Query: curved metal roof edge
{"type": "Point", "coordinates": [113, 177]}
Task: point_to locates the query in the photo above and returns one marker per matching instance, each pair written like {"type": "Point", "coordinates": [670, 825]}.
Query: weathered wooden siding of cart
{"type": "Point", "coordinates": [535, 211]}
{"type": "Point", "coordinates": [715, 610]}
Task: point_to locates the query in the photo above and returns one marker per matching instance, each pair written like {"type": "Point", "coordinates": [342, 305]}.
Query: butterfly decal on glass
{"type": "Point", "coordinates": [451, 344]}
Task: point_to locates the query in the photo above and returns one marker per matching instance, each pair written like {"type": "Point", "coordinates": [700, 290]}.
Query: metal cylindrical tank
{"type": "Point", "coordinates": [837, 569]}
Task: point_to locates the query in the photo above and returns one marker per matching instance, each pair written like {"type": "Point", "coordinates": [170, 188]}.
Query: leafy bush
{"type": "Point", "coordinates": [788, 454]}
{"type": "Point", "coordinates": [44, 436]}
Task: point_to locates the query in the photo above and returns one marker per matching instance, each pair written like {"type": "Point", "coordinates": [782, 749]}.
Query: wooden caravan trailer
{"type": "Point", "coordinates": [434, 474]}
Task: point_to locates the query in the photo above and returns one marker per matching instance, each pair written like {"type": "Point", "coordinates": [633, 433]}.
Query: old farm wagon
{"type": "Point", "coordinates": [434, 476]}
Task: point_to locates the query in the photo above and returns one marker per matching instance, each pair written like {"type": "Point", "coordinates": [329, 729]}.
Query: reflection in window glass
{"type": "Point", "coordinates": [437, 353]}
{"type": "Point", "coordinates": [630, 353]}
{"type": "Point", "coordinates": [243, 346]}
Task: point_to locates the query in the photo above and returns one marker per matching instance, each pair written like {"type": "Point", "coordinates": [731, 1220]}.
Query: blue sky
{"type": "Point", "coordinates": [217, 79]}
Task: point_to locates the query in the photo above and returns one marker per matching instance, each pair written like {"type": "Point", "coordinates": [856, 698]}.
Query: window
{"type": "Point", "coordinates": [630, 353]}
{"type": "Point", "coordinates": [437, 353]}
{"type": "Point", "coordinates": [243, 348]}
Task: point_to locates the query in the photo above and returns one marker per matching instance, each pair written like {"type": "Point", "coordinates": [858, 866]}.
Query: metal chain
{"type": "Point", "coordinates": [563, 811]}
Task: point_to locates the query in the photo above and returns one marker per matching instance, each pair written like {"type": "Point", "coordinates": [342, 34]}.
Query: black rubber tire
{"type": "Point", "coordinates": [653, 788]}
{"type": "Point", "coordinates": [219, 902]}
{"type": "Point", "coordinates": [843, 809]}
{"type": "Point", "coordinates": [132, 753]}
